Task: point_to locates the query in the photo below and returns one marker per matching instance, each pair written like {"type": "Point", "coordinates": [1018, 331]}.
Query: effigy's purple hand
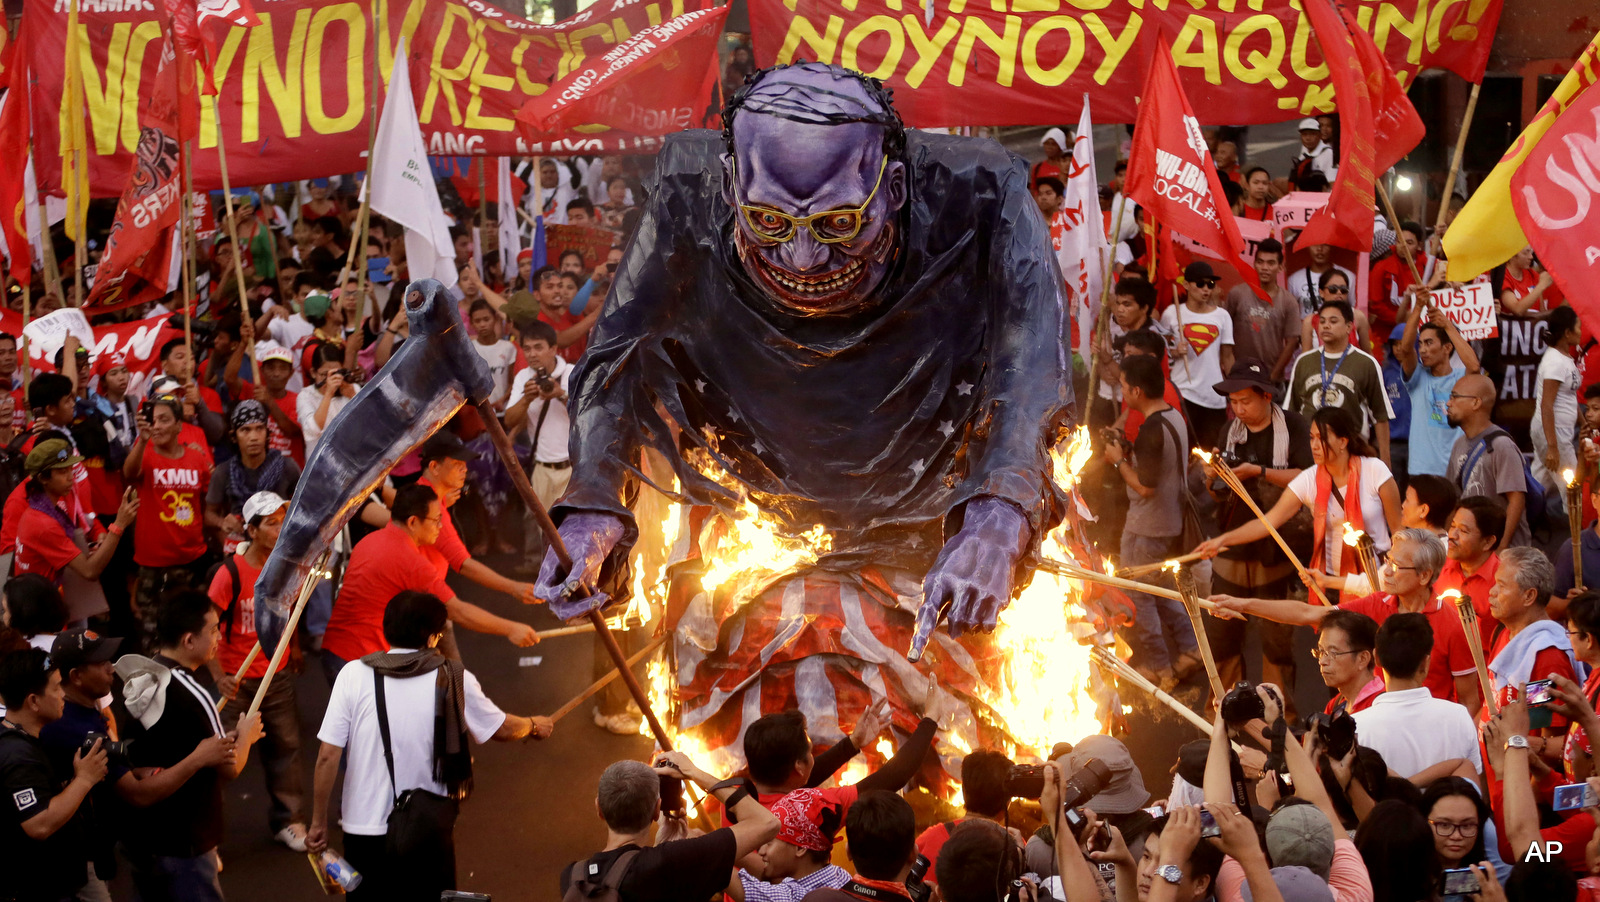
{"type": "Point", "coordinates": [971, 579]}
{"type": "Point", "coordinates": [589, 537]}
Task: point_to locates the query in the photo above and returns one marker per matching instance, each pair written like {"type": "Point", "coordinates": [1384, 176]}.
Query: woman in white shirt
{"type": "Point", "coordinates": [318, 403]}
{"type": "Point", "coordinates": [1345, 466]}
{"type": "Point", "coordinates": [1559, 380]}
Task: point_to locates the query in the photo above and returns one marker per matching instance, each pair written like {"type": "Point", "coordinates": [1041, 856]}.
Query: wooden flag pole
{"type": "Point", "coordinates": [364, 215]}
{"type": "Point", "coordinates": [186, 212]}
{"type": "Point", "coordinates": [80, 249]}
{"type": "Point", "coordinates": [1102, 321]}
{"type": "Point", "coordinates": [1455, 161]}
{"type": "Point", "coordinates": [52, 266]}
{"type": "Point", "coordinates": [1388, 210]}
{"type": "Point", "coordinates": [227, 202]}
{"type": "Point", "coordinates": [27, 311]}
{"type": "Point", "coordinates": [317, 573]}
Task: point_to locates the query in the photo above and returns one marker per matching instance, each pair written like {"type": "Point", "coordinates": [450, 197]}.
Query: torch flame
{"type": "Point", "coordinates": [1570, 476]}
{"type": "Point", "coordinates": [1203, 455]}
{"type": "Point", "coordinates": [1352, 537]}
{"type": "Point", "coordinates": [1450, 595]}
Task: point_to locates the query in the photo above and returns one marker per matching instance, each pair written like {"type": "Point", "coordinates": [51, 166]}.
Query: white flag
{"type": "Point", "coordinates": [1084, 247]}
{"type": "Point", "coordinates": [403, 189]}
{"type": "Point", "coordinates": [510, 235]}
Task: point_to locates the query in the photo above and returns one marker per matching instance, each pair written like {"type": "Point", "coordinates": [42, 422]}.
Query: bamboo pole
{"type": "Point", "coordinates": [1469, 625]}
{"type": "Point", "coordinates": [1073, 571]}
{"type": "Point", "coordinates": [1226, 475]}
{"type": "Point", "coordinates": [1102, 320]}
{"type": "Point", "coordinates": [364, 215]}
{"type": "Point", "coordinates": [316, 574]}
{"type": "Point", "coordinates": [255, 652]}
{"type": "Point", "coordinates": [1142, 569]}
{"type": "Point", "coordinates": [1575, 524]}
{"type": "Point", "coordinates": [1411, 261]}
{"type": "Point", "coordinates": [27, 312]}
{"type": "Point", "coordinates": [189, 243]}
{"type": "Point", "coordinates": [227, 201]}
{"type": "Point", "coordinates": [1191, 604]}
{"type": "Point", "coordinates": [1124, 673]}
{"type": "Point", "coordinates": [1455, 160]}
{"type": "Point", "coordinates": [605, 681]}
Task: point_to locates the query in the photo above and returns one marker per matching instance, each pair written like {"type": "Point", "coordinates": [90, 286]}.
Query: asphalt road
{"type": "Point", "coordinates": [533, 810]}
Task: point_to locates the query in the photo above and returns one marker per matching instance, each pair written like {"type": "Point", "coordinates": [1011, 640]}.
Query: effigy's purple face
{"type": "Point", "coordinates": [815, 209]}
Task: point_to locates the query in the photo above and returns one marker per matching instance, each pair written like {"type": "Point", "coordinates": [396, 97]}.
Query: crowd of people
{"type": "Point", "coordinates": [143, 505]}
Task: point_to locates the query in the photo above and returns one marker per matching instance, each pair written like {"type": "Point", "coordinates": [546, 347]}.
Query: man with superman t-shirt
{"type": "Point", "coordinates": [1202, 350]}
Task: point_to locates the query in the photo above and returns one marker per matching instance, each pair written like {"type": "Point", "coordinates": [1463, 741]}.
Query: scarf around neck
{"type": "Point", "coordinates": [1352, 515]}
{"type": "Point", "coordinates": [452, 759]}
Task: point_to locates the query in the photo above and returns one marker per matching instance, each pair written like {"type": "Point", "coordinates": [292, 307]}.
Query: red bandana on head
{"type": "Point", "coordinates": [799, 820]}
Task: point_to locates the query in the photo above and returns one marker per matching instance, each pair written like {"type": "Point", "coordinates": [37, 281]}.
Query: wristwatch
{"type": "Point", "coordinates": [1170, 873]}
{"type": "Point", "coordinates": [1518, 741]}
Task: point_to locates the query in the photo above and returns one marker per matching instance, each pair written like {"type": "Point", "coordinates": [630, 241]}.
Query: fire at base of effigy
{"type": "Point", "coordinates": [759, 623]}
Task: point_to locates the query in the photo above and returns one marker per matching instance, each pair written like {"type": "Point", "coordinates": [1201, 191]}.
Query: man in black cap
{"type": "Point", "coordinates": [1202, 350]}
{"type": "Point", "coordinates": [444, 469]}
{"type": "Point", "coordinates": [1266, 447]}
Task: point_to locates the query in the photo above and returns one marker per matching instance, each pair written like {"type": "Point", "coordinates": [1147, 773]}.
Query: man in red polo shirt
{"type": "Point", "coordinates": [444, 469]}
{"type": "Point", "coordinates": [1415, 559]}
{"type": "Point", "coordinates": [389, 562]}
{"type": "Point", "coordinates": [572, 332]}
{"type": "Point", "coordinates": [1347, 658]}
{"type": "Point", "coordinates": [1474, 533]}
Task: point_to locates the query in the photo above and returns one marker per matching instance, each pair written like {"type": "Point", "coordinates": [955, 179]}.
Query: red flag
{"type": "Point", "coordinates": [656, 82]}
{"type": "Point", "coordinates": [1170, 171]}
{"type": "Point", "coordinates": [1379, 125]}
{"type": "Point", "coordinates": [14, 147]}
{"type": "Point", "coordinates": [138, 255]}
{"type": "Point", "coordinates": [1556, 195]}
{"type": "Point", "coordinates": [194, 23]}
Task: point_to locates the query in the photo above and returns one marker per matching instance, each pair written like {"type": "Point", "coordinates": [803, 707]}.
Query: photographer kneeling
{"type": "Point", "coordinates": [690, 870]}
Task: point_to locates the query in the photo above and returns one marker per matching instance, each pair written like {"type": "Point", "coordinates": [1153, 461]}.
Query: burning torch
{"type": "Point", "coordinates": [1575, 523]}
{"type": "Point", "coordinates": [1366, 550]}
{"type": "Point", "coordinates": [1469, 625]}
{"type": "Point", "coordinates": [1226, 474]}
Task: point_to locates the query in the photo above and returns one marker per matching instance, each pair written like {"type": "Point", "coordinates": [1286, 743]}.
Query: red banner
{"type": "Point", "coordinates": [643, 84]}
{"type": "Point", "coordinates": [14, 147]}
{"type": "Point", "coordinates": [1556, 199]}
{"type": "Point", "coordinates": [1029, 62]}
{"type": "Point", "coordinates": [138, 255]}
{"type": "Point", "coordinates": [296, 91]}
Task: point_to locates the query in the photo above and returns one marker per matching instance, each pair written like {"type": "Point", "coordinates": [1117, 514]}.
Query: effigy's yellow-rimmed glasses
{"type": "Point", "coordinates": [828, 227]}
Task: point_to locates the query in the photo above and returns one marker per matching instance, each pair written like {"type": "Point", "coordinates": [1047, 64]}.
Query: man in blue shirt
{"type": "Point", "coordinates": [1432, 356]}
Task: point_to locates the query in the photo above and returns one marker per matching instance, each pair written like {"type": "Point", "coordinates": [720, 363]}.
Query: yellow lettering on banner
{"type": "Point", "coordinates": [653, 12]}
{"type": "Point", "coordinates": [1202, 29]}
{"type": "Point", "coordinates": [107, 116]}
{"type": "Point", "coordinates": [1087, 5]}
{"type": "Point", "coordinates": [388, 41]}
{"type": "Point", "coordinates": [574, 57]}
{"type": "Point", "coordinates": [1004, 47]}
{"type": "Point", "coordinates": [438, 73]}
{"type": "Point", "coordinates": [1115, 47]}
{"type": "Point", "coordinates": [822, 45]}
{"type": "Point", "coordinates": [1256, 67]}
{"type": "Point", "coordinates": [144, 34]}
{"type": "Point", "coordinates": [262, 68]}
{"type": "Point", "coordinates": [481, 79]}
{"type": "Point", "coordinates": [1436, 24]}
{"type": "Point", "coordinates": [928, 49]}
{"type": "Point", "coordinates": [1060, 72]}
{"type": "Point", "coordinates": [868, 27]}
{"type": "Point", "coordinates": [1364, 18]}
{"type": "Point", "coordinates": [1319, 99]}
{"type": "Point", "coordinates": [1297, 52]}
{"type": "Point", "coordinates": [355, 84]}
{"type": "Point", "coordinates": [619, 30]}
{"type": "Point", "coordinates": [1035, 6]}
{"type": "Point", "coordinates": [1415, 30]}
{"type": "Point", "coordinates": [525, 84]}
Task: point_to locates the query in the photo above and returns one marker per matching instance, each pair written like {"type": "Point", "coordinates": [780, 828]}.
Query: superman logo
{"type": "Point", "coordinates": [1200, 336]}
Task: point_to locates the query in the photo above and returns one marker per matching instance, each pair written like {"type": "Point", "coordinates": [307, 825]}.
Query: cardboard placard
{"type": "Point", "coordinates": [1295, 209]}
{"type": "Point", "coordinates": [1471, 308]}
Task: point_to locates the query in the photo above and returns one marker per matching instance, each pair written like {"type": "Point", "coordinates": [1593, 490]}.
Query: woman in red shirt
{"type": "Point", "coordinates": [47, 531]}
{"type": "Point", "coordinates": [170, 539]}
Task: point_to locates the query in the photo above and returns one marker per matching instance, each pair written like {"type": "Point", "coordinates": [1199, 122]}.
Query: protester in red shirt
{"type": "Point", "coordinates": [985, 774]}
{"type": "Point", "coordinates": [189, 435]}
{"type": "Point", "coordinates": [1346, 653]}
{"type": "Point", "coordinates": [233, 591]}
{"type": "Point", "coordinates": [1391, 278]}
{"type": "Point", "coordinates": [1583, 629]}
{"type": "Point", "coordinates": [444, 469]}
{"type": "Point", "coordinates": [53, 401]}
{"type": "Point", "coordinates": [201, 404]}
{"type": "Point", "coordinates": [1475, 530]}
{"type": "Point", "coordinates": [51, 520]}
{"type": "Point", "coordinates": [1415, 559]}
{"type": "Point", "coordinates": [170, 539]}
{"type": "Point", "coordinates": [391, 561]}
{"type": "Point", "coordinates": [572, 332]}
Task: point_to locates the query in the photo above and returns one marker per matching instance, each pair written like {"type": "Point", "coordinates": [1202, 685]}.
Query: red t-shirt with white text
{"type": "Point", "coordinates": [170, 529]}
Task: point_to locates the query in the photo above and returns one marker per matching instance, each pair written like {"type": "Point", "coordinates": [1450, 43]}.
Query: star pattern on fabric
{"type": "Point", "coordinates": [964, 388]}
{"type": "Point", "coordinates": [946, 428]}
{"type": "Point", "coordinates": [917, 466]}
{"type": "Point", "coordinates": [700, 385]}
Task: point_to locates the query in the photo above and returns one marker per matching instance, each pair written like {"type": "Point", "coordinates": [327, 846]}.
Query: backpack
{"type": "Point", "coordinates": [229, 564]}
{"type": "Point", "coordinates": [588, 884]}
{"type": "Point", "coordinates": [1534, 489]}
{"type": "Point", "coordinates": [1193, 531]}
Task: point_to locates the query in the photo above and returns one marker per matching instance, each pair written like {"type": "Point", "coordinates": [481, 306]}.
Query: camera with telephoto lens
{"type": "Point", "coordinates": [1088, 782]}
{"type": "Point", "coordinates": [916, 889]}
{"type": "Point", "coordinates": [115, 751]}
{"type": "Point", "coordinates": [1337, 732]}
{"type": "Point", "coordinates": [1026, 781]}
{"type": "Point", "coordinates": [1242, 705]}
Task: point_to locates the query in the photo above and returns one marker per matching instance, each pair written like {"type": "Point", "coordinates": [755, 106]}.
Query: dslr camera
{"type": "Point", "coordinates": [1337, 732]}
{"type": "Point", "coordinates": [1244, 703]}
{"type": "Point", "coordinates": [1088, 782]}
{"type": "Point", "coordinates": [541, 378]}
{"type": "Point", "coordinates": [115, 750]}
{"type": "Point", "coordinates": [916, 889]}
{"type": "Point", "coordinates": [1026, 781]}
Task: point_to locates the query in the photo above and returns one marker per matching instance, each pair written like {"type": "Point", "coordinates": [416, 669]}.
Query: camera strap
{"type": "Point", "coordinates": [873, 891]}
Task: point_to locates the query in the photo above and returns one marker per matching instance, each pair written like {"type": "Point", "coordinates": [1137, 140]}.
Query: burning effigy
{"type": "Point", "coordinates": [826, 410]}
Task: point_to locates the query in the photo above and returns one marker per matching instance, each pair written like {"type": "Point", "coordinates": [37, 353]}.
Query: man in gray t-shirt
{"type": "Point", "coordinates": [1485, 459]}
{"type": "Point", "coordinates": [1162, 637]}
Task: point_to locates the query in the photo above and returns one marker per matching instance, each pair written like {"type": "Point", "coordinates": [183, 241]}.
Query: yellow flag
{"type": "Point", "coordinates": [74, 143]}
{"type": "Point", "coordinates": [1486, 233]}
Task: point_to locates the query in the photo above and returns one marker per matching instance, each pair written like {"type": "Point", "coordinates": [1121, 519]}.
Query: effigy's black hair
{"type": "Point", "coordinates": [795, 104]}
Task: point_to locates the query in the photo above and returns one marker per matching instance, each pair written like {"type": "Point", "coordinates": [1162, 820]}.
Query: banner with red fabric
{"type": "Point", "coordinates": [1171, 173]}
{"type": "Point", "coordinates": [1555, 196]}
{"type": "Point", "coordinates": [659, 80]}
{"type": "Point", "coordinates": [139, 249]}
{"type": "Point", "coordinates": [14, 147]}
{"type": "Point", "coordinates": [138, 341]}
{"type": "Point", "coordinates": [1025, 63]}
{"type": "Point", "coordinates": [296, 91]}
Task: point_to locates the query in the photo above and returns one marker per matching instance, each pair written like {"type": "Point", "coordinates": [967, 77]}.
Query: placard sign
{"type": "Point", "coordinates": [1295, 209]}
{"type": "Point", "coordinates": [1471, 308]}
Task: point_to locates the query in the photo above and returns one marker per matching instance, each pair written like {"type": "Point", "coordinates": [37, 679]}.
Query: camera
{"type": "Point", "coordinates": [1088, 782]}
{"type": "Point", "coordinates": [1242, 705]}
{"type": "Point", "coordinates": [115, 750]}
{"type": "Point", "coordinates": [916, 889]}
{"type": "Point", "coordinates": [1026, 781]}
{"type": "Point", "coordinates": [541, 377]}
{"type": "Point", "coordinates": [1337, 733]}
{"type": "Point", "coordinates": [671, 793]}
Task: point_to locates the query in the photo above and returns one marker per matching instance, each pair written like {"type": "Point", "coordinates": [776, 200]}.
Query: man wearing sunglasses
{"type": "Point", "coordinates": [862, 326]}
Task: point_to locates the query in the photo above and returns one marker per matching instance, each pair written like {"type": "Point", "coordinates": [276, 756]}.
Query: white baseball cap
{"type": "Point", "coordinates": [262, 504]}
{"type": "Point", "coordinates": [271, 350]}
{"type": "Point", "coordinates": [1310, 125]}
